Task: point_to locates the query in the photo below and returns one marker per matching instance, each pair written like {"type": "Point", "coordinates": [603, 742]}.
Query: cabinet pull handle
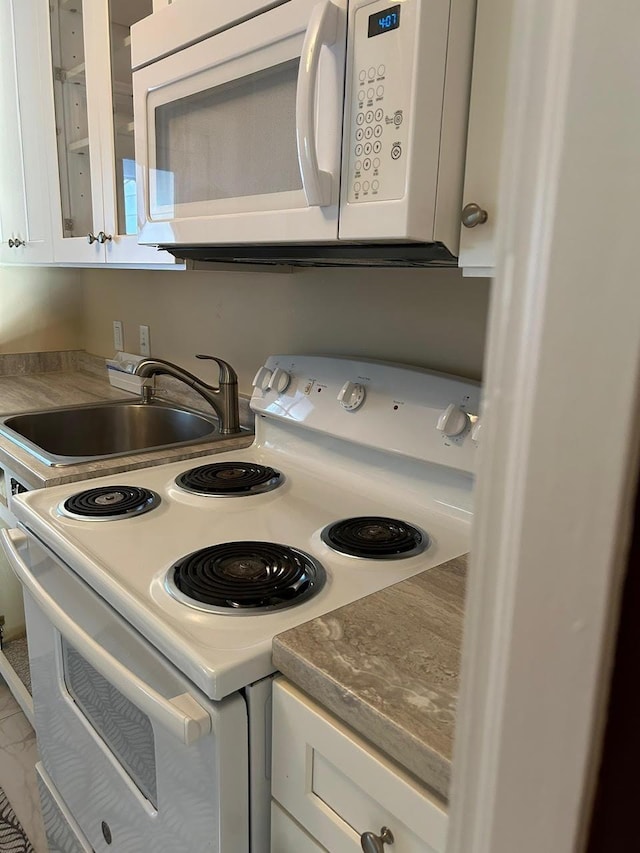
{"type": "Point", "coordinates": [473, 214]}
{"type": "Point", "coordinates": [91, 238]}
{"type": "Point", "coordinates": [372, 843]}
{"type": "Point", "coordinates": [103, 238]}
{"type": "Point", "coordinates": [15, 244]}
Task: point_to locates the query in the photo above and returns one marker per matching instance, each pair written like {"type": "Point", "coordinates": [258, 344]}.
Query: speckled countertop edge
{"type": "Point", "coordinates": [388, 666]}
{"type": "Point", "coordinates": [33, 392]}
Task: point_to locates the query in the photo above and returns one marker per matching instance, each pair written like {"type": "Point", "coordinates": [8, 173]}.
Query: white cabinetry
{"type": "Point", "coordinates": [91, 158]}
{"type": "Point", "coordinates": [330, 787]}
{"type": "Point", "coordinates": [486, 126]}
{"type": "Point", "coordinates": [25, 235]}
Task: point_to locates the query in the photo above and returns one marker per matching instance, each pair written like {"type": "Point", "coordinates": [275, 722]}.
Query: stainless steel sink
{"type": "Point", "coordinates": [102, 430]}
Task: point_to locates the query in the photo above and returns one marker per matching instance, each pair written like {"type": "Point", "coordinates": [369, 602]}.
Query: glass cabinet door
{"type": "Point", "coordinates": [74, 137]}
{"type": "Point", "coordinates": [122, 15]}
{"type": "Point", "coordinates": [93, 95]}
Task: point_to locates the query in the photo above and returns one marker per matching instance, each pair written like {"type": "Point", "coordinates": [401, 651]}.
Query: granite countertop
{"type": "Point", "coordinates": [388, 666]}
{"type": "Point", "coordinates": [35, 391]}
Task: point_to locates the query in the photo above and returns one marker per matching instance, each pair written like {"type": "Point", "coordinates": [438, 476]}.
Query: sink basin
{"type": "Point", "coordinates": [102, 430]}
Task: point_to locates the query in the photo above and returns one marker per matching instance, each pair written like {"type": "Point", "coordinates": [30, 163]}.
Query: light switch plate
{"type": "Point", "coordinates": [118, 336]}
{"type": "Point", "coordinates": [145, 341]}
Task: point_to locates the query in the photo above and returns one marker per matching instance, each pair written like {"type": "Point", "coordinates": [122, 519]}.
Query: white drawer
{"type": "Point", "coordinates": [287, 836]}
{"type": "Point", "coordinates": [337, 786]}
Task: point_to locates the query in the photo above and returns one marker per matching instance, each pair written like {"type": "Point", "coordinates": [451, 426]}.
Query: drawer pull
{"type": "Point", "coordinates": [371, 843]}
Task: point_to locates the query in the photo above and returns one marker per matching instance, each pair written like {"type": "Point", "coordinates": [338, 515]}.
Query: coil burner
{"type": "Point", "coordinates": [375, 538]}
{"type": "Point", "coordinates": [109, 503]}
{"type": "Point", "coordinates": [229, 479]}
{"type": "Point", "coordinates": [245, 578]}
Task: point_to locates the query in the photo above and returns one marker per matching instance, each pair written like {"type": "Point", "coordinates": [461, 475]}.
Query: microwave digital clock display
{"type": "Point", "coordinates": [384, 20]}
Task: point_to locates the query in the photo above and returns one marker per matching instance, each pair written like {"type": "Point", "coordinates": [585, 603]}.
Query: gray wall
{"type": "Point", "coordinates": [40, 309]}
{"type": "Point", "coordinates": [431, 318]}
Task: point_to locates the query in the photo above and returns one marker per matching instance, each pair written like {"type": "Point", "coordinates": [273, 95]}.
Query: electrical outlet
{"type": "Point", "coordinates": [145, 341]}
{"type": "Point", "coordinates": [118, 336]}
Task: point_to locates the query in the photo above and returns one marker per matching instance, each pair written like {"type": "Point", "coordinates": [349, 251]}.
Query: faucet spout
{"type": "Point", "coordinates": [223, 398]}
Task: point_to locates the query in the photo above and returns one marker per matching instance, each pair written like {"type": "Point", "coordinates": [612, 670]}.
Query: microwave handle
{"type": "Point", "coordinates": [322, 30]}
{"type": "Point", "coordinates": [181, 715]}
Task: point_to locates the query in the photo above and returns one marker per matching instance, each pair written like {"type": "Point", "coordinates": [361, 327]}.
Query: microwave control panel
{"type": "Point", "coordinates": [383, 46]}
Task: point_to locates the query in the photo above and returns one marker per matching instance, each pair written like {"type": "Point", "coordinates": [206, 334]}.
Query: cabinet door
{"type": "Point", "coordinates": [76, 185]}
{"type": "Point", "coordinates": [337, 787]}
{"type": "Point", "coordinates": [25, 235]}
{"type": "Point", "coordinates": [111, 49]}
{"type": "Point", "coordinates": [93, 195]}
{"type": "Point", "coordinates": [486, 126]}
{"type": "Point", "coordinates": [287, 835]}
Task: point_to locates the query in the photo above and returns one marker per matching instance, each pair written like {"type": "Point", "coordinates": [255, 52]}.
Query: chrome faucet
{"type": "Point", "coordinates": [223, 398]}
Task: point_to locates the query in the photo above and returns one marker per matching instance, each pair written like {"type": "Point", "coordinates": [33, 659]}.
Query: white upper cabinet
{"type": "Point", "coordinates": [92, 161]}
{"type": "Point", "coordinates": [25, 231]}
{"type": "Point", "coordinates": [484, 142]}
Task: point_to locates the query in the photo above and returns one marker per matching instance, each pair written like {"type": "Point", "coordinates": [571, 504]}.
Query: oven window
{"type": "Point", "coordinates": [121, 725]}
{"type": "Point", "coordinates": [231, 141]}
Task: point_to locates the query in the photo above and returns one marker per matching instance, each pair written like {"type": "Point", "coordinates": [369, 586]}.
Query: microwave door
{"type": "Point", "coordinates": [238, 137]}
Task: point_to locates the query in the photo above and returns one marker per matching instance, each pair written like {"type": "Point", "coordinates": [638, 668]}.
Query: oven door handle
{"type": "Point", "coordinates": [322, 30]}
{"type": "Point", "coordinates": [181, 715]}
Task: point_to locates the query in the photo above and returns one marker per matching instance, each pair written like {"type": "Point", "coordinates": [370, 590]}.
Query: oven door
{"type": "Point", "coordinates": [238, 136]}
{"type": "Point", "coordinates": [141, 758]}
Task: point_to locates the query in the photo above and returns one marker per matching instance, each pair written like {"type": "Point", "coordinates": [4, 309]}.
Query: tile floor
{"type": "Point", "coordinates": [18, 756]}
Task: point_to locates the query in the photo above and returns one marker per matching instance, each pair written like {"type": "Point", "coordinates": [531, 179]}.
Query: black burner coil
{"type": "Point", "coordinates": [375, 537]}
{"type": "Point", "coordinates": [248, 575]}
{"type": "Point", "coordinates": [111, 502]}
{"type": "Point", "coordinates": [229, 478]}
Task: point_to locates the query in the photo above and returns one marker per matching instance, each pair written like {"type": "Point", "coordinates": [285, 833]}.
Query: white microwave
{"type": "Point", "coordinates": [323, 130]}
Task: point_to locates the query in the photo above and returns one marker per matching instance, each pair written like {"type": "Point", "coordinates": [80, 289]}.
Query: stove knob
{"type": "Point", "coordinates": [351, 396]}
{"type": "Point", "coordinates": [262, 379]}
{"type": "Point", "coordinates": [280, 380]}
{"type": "Point", "coordinates": [476, 431]}
{"type": "Point", "coordinates": [453, 421]}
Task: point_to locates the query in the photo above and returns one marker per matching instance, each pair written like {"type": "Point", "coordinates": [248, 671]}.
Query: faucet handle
{"type": "Point", "coordinates": [227, 374]}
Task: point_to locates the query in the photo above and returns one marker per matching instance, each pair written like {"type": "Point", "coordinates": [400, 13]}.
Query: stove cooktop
{"type": "Point", "coordinates": [127, 561]}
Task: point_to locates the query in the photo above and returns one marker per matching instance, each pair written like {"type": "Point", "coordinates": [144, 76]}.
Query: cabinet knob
{"type": "Point", "coordinates": [473, 214]}
{"type": "Point", "coordinates": [91, 238]}
{"type": "Point", "coordinates": [372, 843]}
{"type": "Point", "coordinates": [103, 238]}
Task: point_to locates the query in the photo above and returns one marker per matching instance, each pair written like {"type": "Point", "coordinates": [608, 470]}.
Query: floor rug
{"type": "Point", "coordinates": [12, 835]}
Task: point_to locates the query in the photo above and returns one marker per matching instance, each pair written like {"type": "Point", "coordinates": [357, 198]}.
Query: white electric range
{"type": "Point", "coordinates": [152, 598]}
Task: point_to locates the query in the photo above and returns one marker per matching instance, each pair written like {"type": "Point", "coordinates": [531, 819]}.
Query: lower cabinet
{"type": "Point", "coordinates": [333, 791]}
{"type": "Point", "coordinates": [286, 834]}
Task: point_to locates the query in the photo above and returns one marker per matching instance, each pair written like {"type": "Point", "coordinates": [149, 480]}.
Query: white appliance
{"type": "Point", "coordinates": [150, 631]}
{"type": "Point", "coordinates": [318, 130]}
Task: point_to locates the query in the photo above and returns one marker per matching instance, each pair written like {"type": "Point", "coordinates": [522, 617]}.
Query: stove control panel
{"type": "Point", "coordinates": [401, 409]}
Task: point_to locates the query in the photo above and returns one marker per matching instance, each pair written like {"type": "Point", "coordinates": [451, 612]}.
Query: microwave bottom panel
{"type": "Point", "coordinates": [326, 255]}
